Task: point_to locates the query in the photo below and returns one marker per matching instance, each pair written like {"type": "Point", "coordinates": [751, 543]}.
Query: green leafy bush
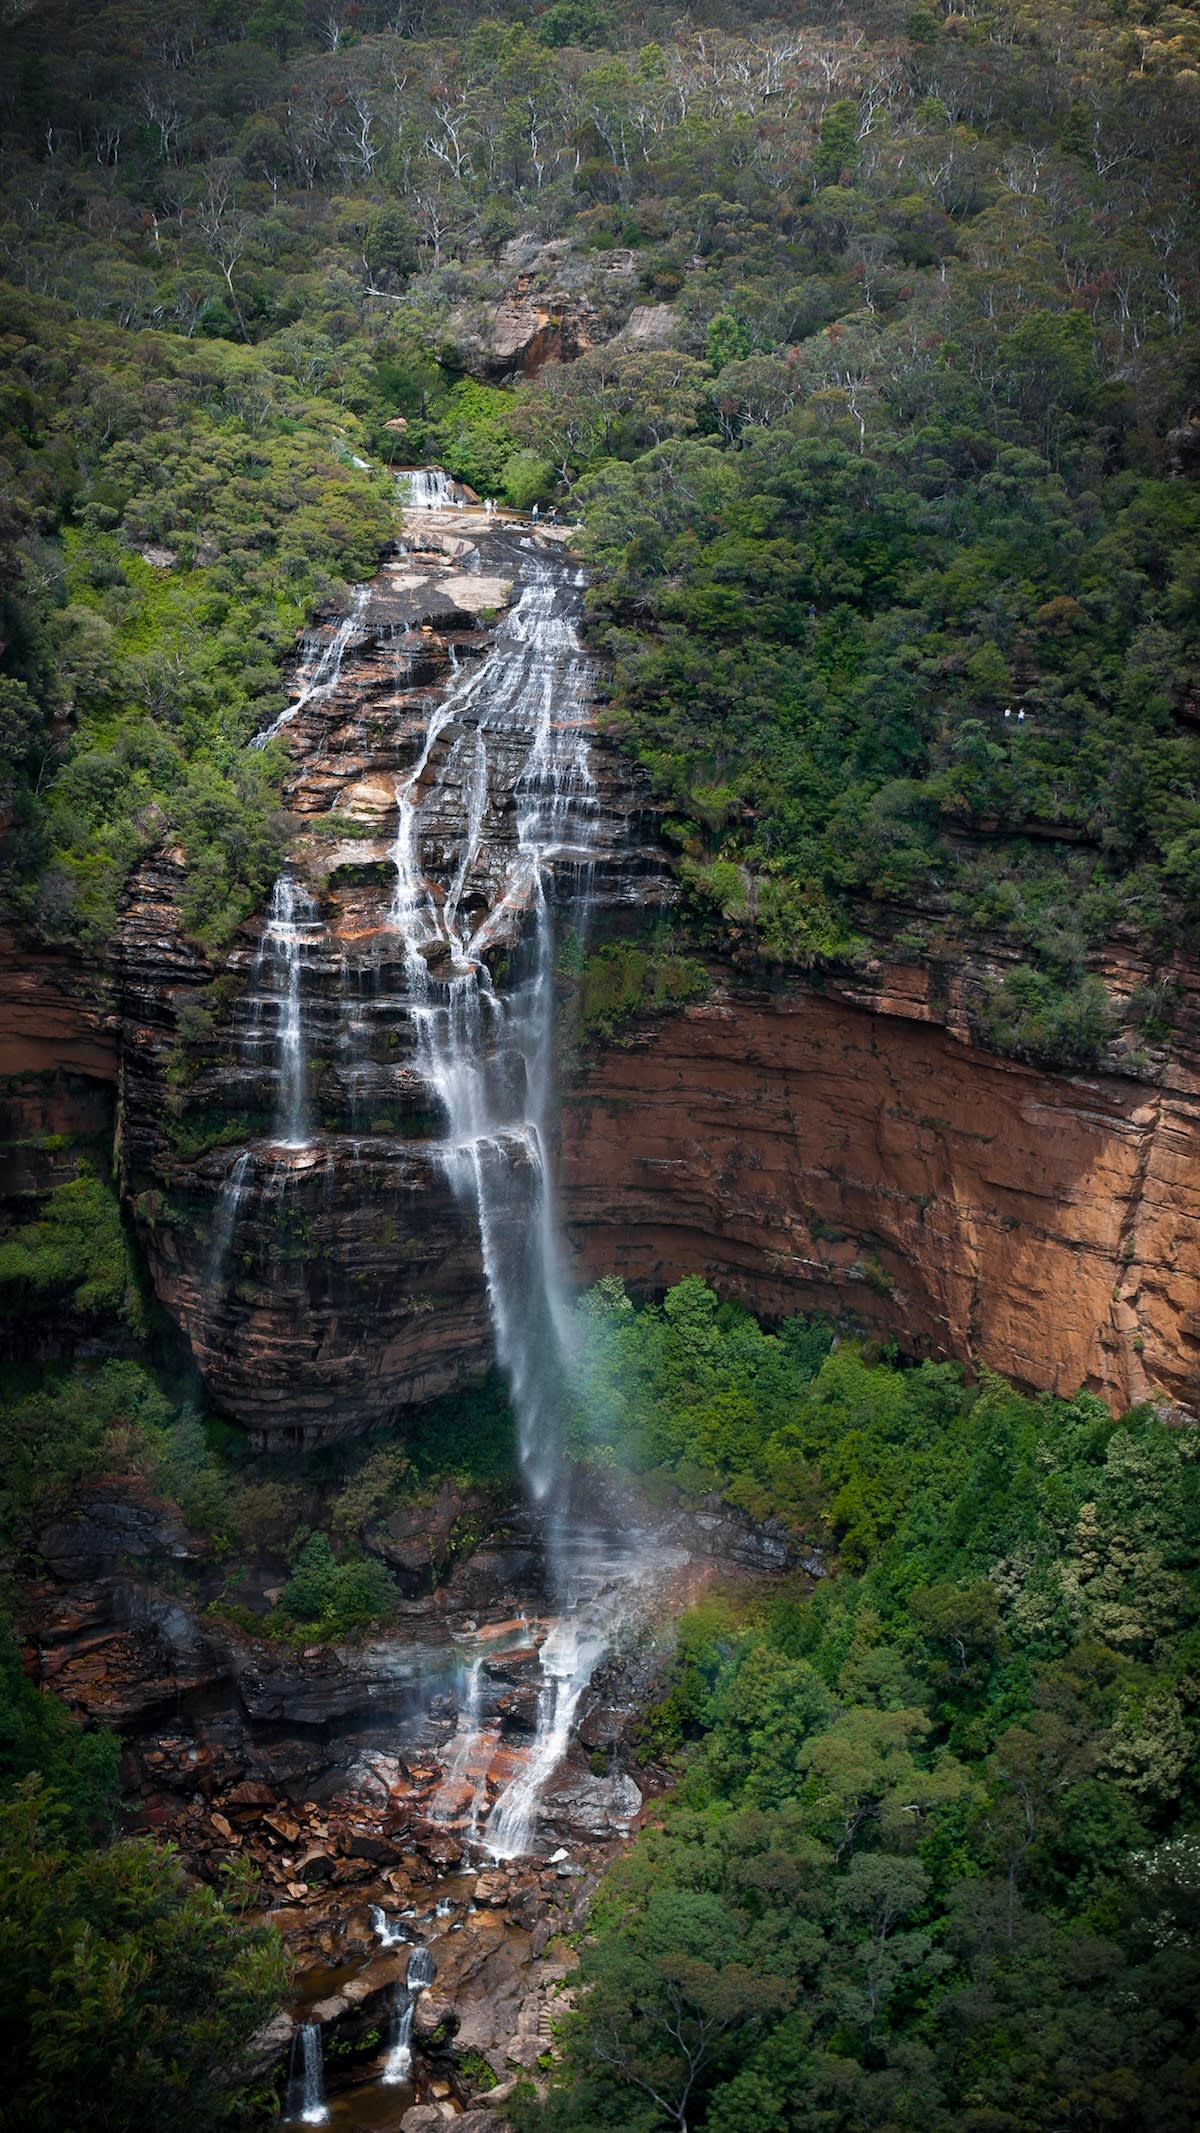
{"type": "Point", "coordinates": [123, 1984]}
{"type": "Point", "coordinates": [329, 1597]}
{"type": "Point", "coordinates": [73, 1252]}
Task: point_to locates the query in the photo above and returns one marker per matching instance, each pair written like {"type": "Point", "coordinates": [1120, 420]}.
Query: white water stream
{"type": "Point", "coordinates": [320, 669]}
{"type": "Point", "coordinates": [489, 1056]}
{"type": "Point", "coordinates": [304, 2097]}
{"type": "Point", "coordinates": [497, 816]}
{"type": "Point", "coordinates": [293, 925]}
{"type": "Point", "coordinates": [425, 489]}
{"type": "Point", "coordinates": [420, 1974]}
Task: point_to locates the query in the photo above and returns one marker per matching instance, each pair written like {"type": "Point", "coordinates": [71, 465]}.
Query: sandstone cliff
{"type": "Point", "coordinates": [843, 1150]}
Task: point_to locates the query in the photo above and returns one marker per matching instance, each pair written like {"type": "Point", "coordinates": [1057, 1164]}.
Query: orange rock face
{"type": "Point", "coordinates": [808, 1152]}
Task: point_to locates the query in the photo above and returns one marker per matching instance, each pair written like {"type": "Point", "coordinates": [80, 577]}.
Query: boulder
{"type": "Point", "coordinates": [269, 2044]}
{"type": "Point", "coordinates": [492, 1888]}
{"type": "Point", "coordinates": [432, 2012]}
{"type": "Point", "coordinates": [592, 1808]}
{"type": "Point", "coordinates": [651, 326]}
{"type": "Point", "coordinates": [110, 1530]}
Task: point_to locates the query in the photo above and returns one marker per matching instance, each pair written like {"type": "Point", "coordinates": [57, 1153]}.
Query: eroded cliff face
{"type": "Point", "coordinates": [847, 1150]}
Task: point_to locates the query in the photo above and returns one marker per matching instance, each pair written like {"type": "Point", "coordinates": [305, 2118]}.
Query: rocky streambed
{"type": "Point", "coordinates": [428, 1810]}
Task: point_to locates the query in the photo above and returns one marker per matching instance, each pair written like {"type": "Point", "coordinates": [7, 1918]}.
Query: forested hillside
{"type": "Point", "coordinates": [879, 420]}
{"type": "Point", "coordinates": [931, 1860]}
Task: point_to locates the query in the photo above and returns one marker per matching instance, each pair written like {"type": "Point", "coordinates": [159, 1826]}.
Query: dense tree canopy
{"type": "Point", "coordinates": [932, 1857]}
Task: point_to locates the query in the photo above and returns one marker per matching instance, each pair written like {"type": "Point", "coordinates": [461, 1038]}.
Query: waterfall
{"type": "Point", "coordinates": [497, 836]}
{"type": "Point", "coordinates": [466, 1732]}
{"type": "Point", "coordinates": [489, 1058]}
{"type": "Point", "coordinates": [426, 489]}
{"type": "Point", "coordinates": [398, 2064]}
{"type": "Point", "coordinates": [292, 923]}
{"type": "Point", "coordinates": [233, 1185]}
{"type": "Point", "coordinates": [421, 1972]}
{"type": "Point", "coordinates": [386, 1929]}
{"type": "Point", "coordinates": [320, 668]}
{"type": "Point", "coordinates": [304, 2097]}
{"type": "Point", "coordinates": [602, 1586]}
{"type": "Point", "coordinates": [573, 1649]}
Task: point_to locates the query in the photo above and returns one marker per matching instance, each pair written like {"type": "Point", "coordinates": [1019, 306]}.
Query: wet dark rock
{"type": "Point", "coordinates": [309, 1696]}
{"type": "Point", "coordinates": [519, 1711]}
{"type": "Point", "coordinates": [382, 1851]}
{"type": "Point", "coordinates": [114, 1529]}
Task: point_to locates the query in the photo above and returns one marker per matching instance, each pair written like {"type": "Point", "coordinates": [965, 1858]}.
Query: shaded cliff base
{"type": "Point", "coordinates": [354, 1777]}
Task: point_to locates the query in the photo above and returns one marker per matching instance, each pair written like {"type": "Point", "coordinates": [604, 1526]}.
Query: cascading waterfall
{"type": "Point", "coordinates": [488, 1058]}
{"type": "Point", "coordinates": [386, 1929]}
{"type": "Point", "coordinates": [573, 1649]}
{"type": "Point", "coordinates": [293, 922]}
{"type": "Point", "coordinates": [229, 1199]}
{"type": "Point", "coordinates": [502, 749]}
{"type": "Point", "coordinates": [425, 489]}
{"type": "Point", "coordinates": [468, 1723]}
{"type": "Point", "coordinates": [304, 2097]}
{"type": "Point", "coordinates": [320, 669]}
{"type": "Point", "coordinates": [602, 1585]}
{"type": "Point", "coordinates": [421, 1972]}
{"type": "Point", "coordinates": [398, 2065]}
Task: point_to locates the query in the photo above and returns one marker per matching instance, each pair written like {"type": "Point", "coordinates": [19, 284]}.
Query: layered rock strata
{"type": "Point", "coordinates": [840, 1145]}
{"type": "Point", "coordinates": [848, 1150]}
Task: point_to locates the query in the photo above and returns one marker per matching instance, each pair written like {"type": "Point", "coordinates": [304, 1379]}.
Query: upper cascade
{"type": "Point", "coordinates": [427, 489]}
{"type": "Point", "coordinates": [356, 1189]}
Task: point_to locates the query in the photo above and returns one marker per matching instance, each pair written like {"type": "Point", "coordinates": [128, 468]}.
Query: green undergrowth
{"type": "Point", "coordinates": [933, 1856]}
{"type": "Point", "coordinates": [119, 1975]}
{"type": "Point", "coordinates": [178, 509]}
{"type": "Point", "coordinates": [600, 992]}
{"type": "Point", "coordinates": [72, 1253]}
{"type": "Point", "coordinates": [308, 1518]}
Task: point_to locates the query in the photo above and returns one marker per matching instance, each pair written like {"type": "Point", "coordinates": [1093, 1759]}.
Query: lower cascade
{"type": "Point", "coordinates": [421, 1973]}
{"type": "Point", "coordinates": [304, 2098]}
